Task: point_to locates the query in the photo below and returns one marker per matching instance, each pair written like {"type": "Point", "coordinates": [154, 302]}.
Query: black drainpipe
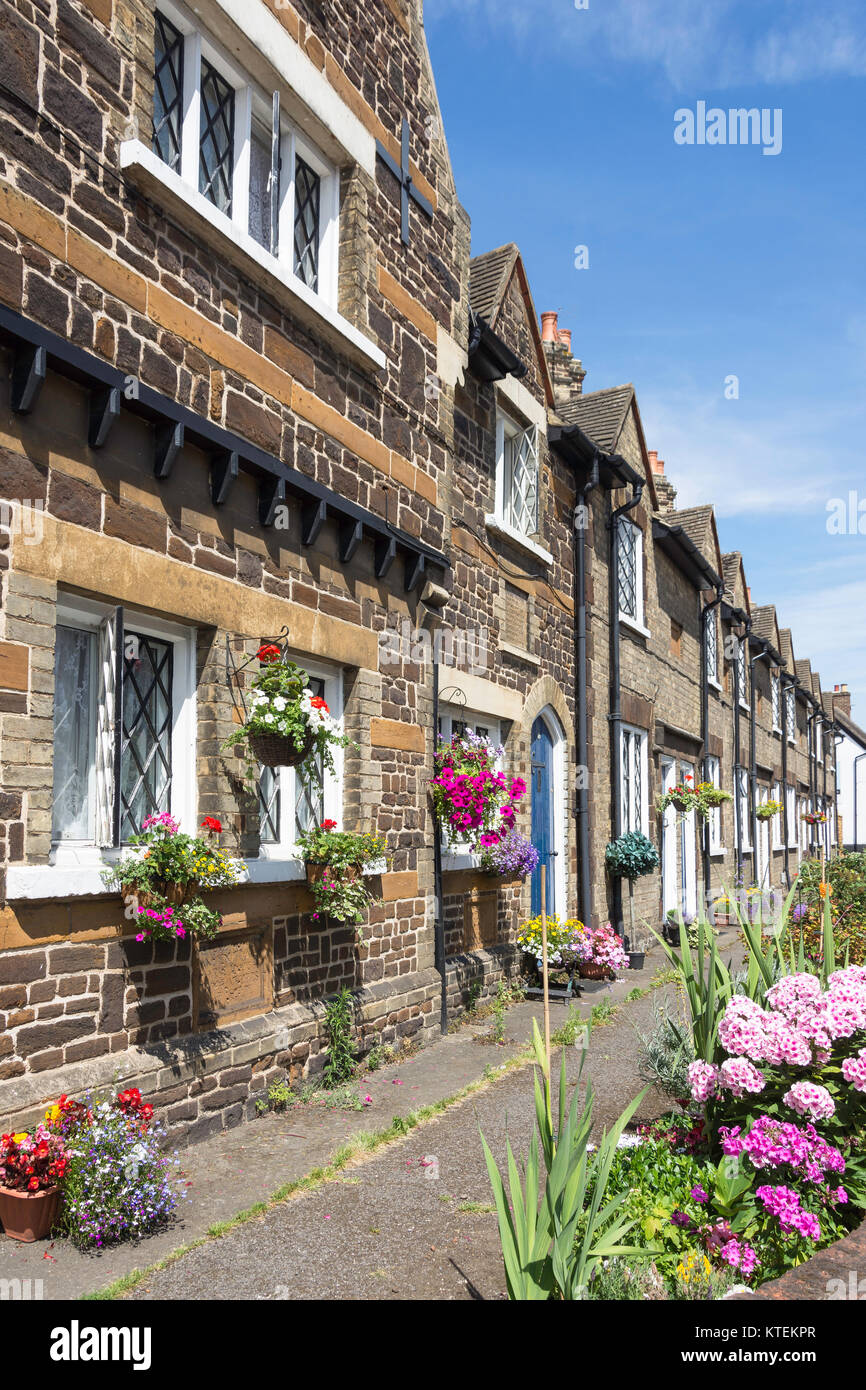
{"type": "Point", "coordinates": [753, 756]}
{"type": "Point", "coordinates": [584, 871]}
{"type": "Point", "coordinates": [708, 609]}
{"type": "Point", "coordinates": [439, 906]}
{"type": "Point", "coordinates": [738, 809]}
{"type": "Point", "coordinates": [786, 683]}
{"type": "Point", "coordinates": [615, 715]}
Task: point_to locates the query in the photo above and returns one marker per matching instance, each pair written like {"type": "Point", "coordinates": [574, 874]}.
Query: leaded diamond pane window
{"type": "Point", "coordinates": [308, 197]}
{"type": "Point", "coordinates": [521, 481]}
{"type": "Point", "coordinates": [310, 784]}
{"type": "Point", "coordinates": [167, 91]}
{"type": "Point", "coordinates": [777, 710]}
{"type": "Point", "coordinates": [269, 806]}
{"type": "Point", "coordinates": [260, 187]}
{"type": "Point", "coordinates": [217, 138]}
{"type": "Point", "coordinates": [74, 723]}
{"type": "Point", "coordinates": [627, 578]}
{"type": "Point", "coordinates": [712, 647]}
{"type": "Point", "coordinates": [145, 758]}
{"type": "Point", "coordinates": [741, 670]}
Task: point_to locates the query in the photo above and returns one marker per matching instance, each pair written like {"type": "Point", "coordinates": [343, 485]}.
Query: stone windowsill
{"type": "Point", "coordinates": [499, 527]}
{"type": "Point", "coordinates": [197, 212]}
{"type": "Point", "coordinates": [519, 653]}
{"type": "Point", "coordinates": [37, 882]}
{"type": "Point", "coordinates": [639, 628]}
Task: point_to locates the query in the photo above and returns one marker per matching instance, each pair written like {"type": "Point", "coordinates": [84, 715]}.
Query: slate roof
{"type": "Point", "coordinates": [764, 622]}
{"type": "Point", "coordinates": [488, 279]}
{"type": "Point", "coordinates": [600, 414]}
{"type": "Point", "coordinates": [803, 670]}
{"type": "Point", "coordinates": [858, 734]}
{"type": "Point", "coordinates": [788, 649]}
{"type": "Point", "coordinates": [730, 571]}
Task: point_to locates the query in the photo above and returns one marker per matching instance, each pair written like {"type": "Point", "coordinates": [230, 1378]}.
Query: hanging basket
{"type": "Point", "coordinates": [276, 750]}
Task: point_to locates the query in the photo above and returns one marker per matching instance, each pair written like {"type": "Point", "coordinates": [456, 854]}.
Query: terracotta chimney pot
{"type": "Point", "coordinates": [564, 335]}
{"type": "Point", "coordinates": [548, 327]}
{"type": "Point", "coordinates": [656, 464]}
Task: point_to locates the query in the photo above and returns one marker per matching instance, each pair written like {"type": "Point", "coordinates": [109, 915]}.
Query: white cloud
{"type": "Point", "coordinates": [827, 627]}
{"type": "Point", "coordinates": [721, 44]}
{"type": "Point", "coordinates": [749, 465]}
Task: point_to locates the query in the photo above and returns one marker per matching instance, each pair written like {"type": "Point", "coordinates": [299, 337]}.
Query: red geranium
{"type": "Point", "coordinates": [318, 703]}
{"type": "Point", "coordinates": [328, 825]}
{"type": "Point", "coordinates": [268, 653]}
{"type": "Point", "coordinates": [212, 823]}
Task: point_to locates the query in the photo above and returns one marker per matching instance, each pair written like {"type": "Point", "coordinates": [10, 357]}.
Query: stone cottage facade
{"type": "Point", "coordinates": [254, 386]}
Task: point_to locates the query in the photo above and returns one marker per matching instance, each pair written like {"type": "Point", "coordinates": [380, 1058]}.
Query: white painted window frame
{"type": "Point", "coordinates": [791, 714]}
{"type": "Point", "coordinates": [741, 792]}
{"type": "Point", "coordinates": [249, 97]}
{"type": "Point", "coordinates": [508, 428]}
{"type": "Point", "coordinates": [639, 750]}
{"type": "Point", "coordinates": [638, 621]}
{"type": "Point", "coordinates": [459, 855]}
{"type": "Point", "coordinates": [285, 851]}
{"type": "Point", "coordinates": [742, 659]}
{"type": "Point", "coordinates": [714, 775]}
{"type": "Point", "coordinates": [776, 701]}
{"type": "Point", "coordinates": [776, 823]}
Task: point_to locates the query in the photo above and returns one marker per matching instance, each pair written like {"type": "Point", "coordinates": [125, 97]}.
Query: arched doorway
{"type": "Point", "coordinates": [548, 812]}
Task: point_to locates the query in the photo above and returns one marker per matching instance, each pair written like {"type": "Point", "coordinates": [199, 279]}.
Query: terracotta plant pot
{"type": "Point", "coordinates": [316, 872]}
{"type": "Point", "coordinates": [275, 750]}
{"type": "Point", "coordinates": [28, 1216]}
{"type": "Point", "coordinates": [592, 970]}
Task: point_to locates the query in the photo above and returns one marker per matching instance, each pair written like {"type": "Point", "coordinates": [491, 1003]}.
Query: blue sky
{"type": "Point", "coordinates": [704, 261]}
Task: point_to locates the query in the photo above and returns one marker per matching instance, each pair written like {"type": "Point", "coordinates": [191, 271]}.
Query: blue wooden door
{"type": "Point", "coordinates": [542, 814]}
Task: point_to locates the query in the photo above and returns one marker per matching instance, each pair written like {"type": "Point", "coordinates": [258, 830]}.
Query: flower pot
{"type": "Point", "coordinates": [636, 960]}
{"type": "Point", "coordinates": [316, 872]}
{"type": "Point", "coordinates": [276, 750]}
{"type": "Point", "coordinates": [592, 970]}
{"type": "Point", "coordinates": [28, 1216]}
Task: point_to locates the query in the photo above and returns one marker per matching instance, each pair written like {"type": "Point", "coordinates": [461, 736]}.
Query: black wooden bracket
{"type": "Point", "coordinates": [351, 535]}
{"type": "Point", "coordinates": [415, 567]}
{"type": "Point", "coordinates": [167, 444]}
{"type": "Point", "coordinates": [272, 494]}
{"type": "Point", "coordinates": [28, 375]}
{"type": "Point", "coordinates": [313, 517]}
{"type": "Point", "coordinates": [104, 410]}
{"type": "Point", "coordinates": [223, 471]}
{"type": "Point", "coordinates": [386, 554]}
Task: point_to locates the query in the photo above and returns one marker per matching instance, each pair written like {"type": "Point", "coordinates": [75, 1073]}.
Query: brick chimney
{"type": "Point", "coordinates": [566, 371]}
{"type": "Point", "coordinates": [842, 700]}
{"type": "Point", "coordinates": [665, 491]}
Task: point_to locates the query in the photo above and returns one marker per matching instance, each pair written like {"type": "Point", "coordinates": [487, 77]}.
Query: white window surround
{"type": "Point", "coordinates": [284, 852]}
{"type": "Point", "coordinates": [791, 805]}
{"type": "Point", "coordinates": [634, 621]}
{"type": "Point", "coordinates": [75, 867]}
{"type": "Point", "coordinates": [501, 527]}
{"type": "Point", "coordinates": [460, 856]}
{"type": "Point", "coordinates": [639, 741]}
{"type": "Point", "coordinates": [508, 429]}
{"type": "Point", "coordinates": [714, 774]}
{"type": "Point", "coordinates": [776, 825]}
{"type": "Point", "coordinates": [741, 792]}
{"type": "Point", "coordinates": [776, 702]}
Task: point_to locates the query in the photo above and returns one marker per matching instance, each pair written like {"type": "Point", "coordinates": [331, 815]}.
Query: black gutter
{"type": "Point", "coordinates": [489, 357]}
{"type": "Point", "coordinates": [35, 348]}
{"type": "Point", "coordinates": [707, 610]}
{"type": "Point", "coordinates": [615, 712]}
{"type": "Point", "coordinates": [682, 551]}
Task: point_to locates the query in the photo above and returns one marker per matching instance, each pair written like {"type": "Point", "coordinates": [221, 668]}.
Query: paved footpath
{"type": "Point", "coordinates": [370, 1234]}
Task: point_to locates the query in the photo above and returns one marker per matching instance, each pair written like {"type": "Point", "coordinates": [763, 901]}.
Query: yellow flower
{"type": "Point", "coordinates": [19, 1138]}
{"type": "Point", "coordinates": [52, 1114]}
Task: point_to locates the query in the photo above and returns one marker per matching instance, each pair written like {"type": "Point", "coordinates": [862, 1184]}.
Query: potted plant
{"type": "Point", "coordinates": [335, 863]}
{"type": "Point", "coordinates": [601, 954]}
{"type": "Point", "coordinates": [686, 797]}
{"type": "Point", "coordinates": [287, 724]}
{"type": "Point", "coordinates": [564, 939]}
{"type": "Point", "coordinates": [163, 879]}
{"type": "Point", "coordinates": [31, 1168]}
{"type": "Point", "coordinates": [474, 802]}
{"type": "Point", "coordinates": [511, 858]}
{"type": "Point", "coordinates": [768, 809]}
{"type": "Point", "coordinates": [630, 857]}
{"type": "Point", "coordinates": [814, 817]}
